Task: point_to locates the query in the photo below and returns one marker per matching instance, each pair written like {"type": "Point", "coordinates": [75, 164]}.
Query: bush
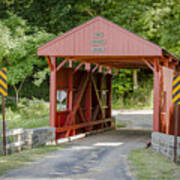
{"type": "Point", "coordinates": [140, 98]}
{"type": "Point", "coordinates": [34, 108]}
{"type": "Point", "coordinates": [28, 114]}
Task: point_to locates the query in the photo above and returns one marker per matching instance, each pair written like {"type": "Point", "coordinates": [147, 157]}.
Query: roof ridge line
{"type": "Point", "coordinates": [69, 32]}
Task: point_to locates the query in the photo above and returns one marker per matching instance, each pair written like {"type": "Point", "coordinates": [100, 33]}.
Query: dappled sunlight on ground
{"type": "Point", "coordinates": [108, 144]}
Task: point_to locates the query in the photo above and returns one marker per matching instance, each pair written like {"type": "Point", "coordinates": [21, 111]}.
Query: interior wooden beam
{"type": "Point", "coordinates": [81, 115]}
{"type": "Point", "coordinates": [149, 65]}
{"type": "Point", "coordinates": [78, 126]}
{"type": "Point", "coordinates": [95, 68]}
{"type": "Point", "coordinates": [49, 63]}
{"type": "Point", "coordinates": [78, 98]}
{"type": "Point", "coordinates": [61, 64]}
{"type": "Point", "coordinates": [96, 111]}
{"type": "Point", "coordinates": [98, 97]}
{"type": "Point", "coordinates": [79, 65]}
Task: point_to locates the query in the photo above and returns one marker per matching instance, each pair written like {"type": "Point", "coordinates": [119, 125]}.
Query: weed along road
{"type": "Point", "coordinates": [97, 157]}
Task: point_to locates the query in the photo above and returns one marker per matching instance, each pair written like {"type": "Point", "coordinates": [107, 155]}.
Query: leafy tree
{"type": "Point", "coordinates": [18, 51]}
{"type": "Point", "coordinates": [154, 20]}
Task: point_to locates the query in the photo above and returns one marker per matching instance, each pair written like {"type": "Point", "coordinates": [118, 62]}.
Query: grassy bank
{"type": "Point", "coordinates": [148, 165]}
{"type": "Point", "coordinates": [28, 114]}
{"type": "Point", "coordinates": [16, 160]}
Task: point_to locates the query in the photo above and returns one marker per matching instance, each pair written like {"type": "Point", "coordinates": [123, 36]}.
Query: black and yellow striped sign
{"type": "Point", "coordinates": [176, 89]}
{"type": "Point", "coordinates": [3, 81]}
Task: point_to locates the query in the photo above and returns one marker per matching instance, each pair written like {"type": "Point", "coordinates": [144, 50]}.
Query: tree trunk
{"type": "Point", "coordinates": [135, 80]}
{"type": "Point", "coordinates": [17, 90]}
{"type": "Point", "coordinates": [17, 97]}
{"type": "Point", "coordinates": [17, 94]}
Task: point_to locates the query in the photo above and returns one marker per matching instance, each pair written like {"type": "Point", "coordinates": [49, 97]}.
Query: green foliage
{"type": "Point", "coordinates": [18, 51]}
{"type": "Point", "coordinates": [122, 82]}
{"type": "Point", "coordinates": [30, 90]}
{"type": "Point", "coordinates": [34, 108]}
{"type": "Point", "coordinates": [24, 25]}
{"type": "Point", "coordinates": [28, 114]}
{"type": "Point", "coordinates": [20, 56]}
{"type": "Point", "coordinates": [125, 97]}
{"type": "Point", "coordinates": [40, 76]}
{"type": "Point", "coordinates": [155, 20]}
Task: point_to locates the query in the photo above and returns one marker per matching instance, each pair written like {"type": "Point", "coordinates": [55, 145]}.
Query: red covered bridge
{"type": "Point", "coordinates": [80, 100]}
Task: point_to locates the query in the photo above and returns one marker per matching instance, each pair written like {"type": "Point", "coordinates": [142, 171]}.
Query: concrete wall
{"type": "Point", "coordinates": [164, 144]}
{"type": "Point", "coordinates": [27, 138]}
{"type": "Point", "coordinates": [38, 136]}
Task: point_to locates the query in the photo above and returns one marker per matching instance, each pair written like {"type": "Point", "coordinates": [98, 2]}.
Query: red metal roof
{"type": "Point", "coordinates": [99, 37]}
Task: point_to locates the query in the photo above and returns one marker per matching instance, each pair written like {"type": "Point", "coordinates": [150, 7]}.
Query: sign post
{"type": "Point", "coordinates": [3, 93]}
{"type": "Point", "coordinates": [4, 125]}
{"type": "Point", "coordinates": [176, 101]}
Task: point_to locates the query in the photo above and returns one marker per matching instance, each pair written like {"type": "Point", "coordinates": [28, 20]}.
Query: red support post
{"type": "Point", "coordinates": [53, 93]}
{"type": "Point", "coordinates": [88, 67]}
{"type": "Point", "coordinates": [70, 96]}
{"type": "Point", "coordinates": [70, 64]}
{"type": "Point", "coordinates": [109, 70]}
{"type": "Point", "coordinates": [110, 95]}
{"type": "Point", "coordinates": [156, 115]}
{"type": "Point", "coordinates": [49, 62]}
{"type": "Point", "coordinates": [70, 92]}
{"type": "Point", "coordinates": [100, 68]}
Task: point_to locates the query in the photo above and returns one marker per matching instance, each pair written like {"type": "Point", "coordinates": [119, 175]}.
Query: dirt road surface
{"type": "Point", "coordinates": [135, 119]}
{"type": "Point", "coordinates": [97, 157]}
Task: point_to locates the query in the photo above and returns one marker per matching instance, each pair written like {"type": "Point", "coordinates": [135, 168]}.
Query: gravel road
{"type": "Point", "coordinates": [97, 157]}
{"type": "Point", "coordinates": [135, 119]}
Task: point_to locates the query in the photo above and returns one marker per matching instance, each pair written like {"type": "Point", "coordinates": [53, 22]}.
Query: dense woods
{"type": "Point", "coordinates": [26, 24]}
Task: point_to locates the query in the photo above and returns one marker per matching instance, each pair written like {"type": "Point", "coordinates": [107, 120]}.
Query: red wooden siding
{"type": "Point", "coordinates": [117, 42]}
{"type": "Point", "coordinates": [104, 44]}
{"type": "Point", "coordinates": [88, 115]}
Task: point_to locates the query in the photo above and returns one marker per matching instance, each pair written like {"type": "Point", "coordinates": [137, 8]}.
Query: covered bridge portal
{"type": "Point", "coordinates": [98, 45]}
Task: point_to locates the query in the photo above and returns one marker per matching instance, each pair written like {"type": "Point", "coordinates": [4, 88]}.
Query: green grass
{"type": "Point", "coordinates": [121, 124]}
{"type": "Point", "coordinates": [132, 106]}
{"type": "Point", "coordinates": [149, 165]}
{"type": "Point", "coordinates": [25, 157]}
{"type": "Point", "coordinates": [28, 114]}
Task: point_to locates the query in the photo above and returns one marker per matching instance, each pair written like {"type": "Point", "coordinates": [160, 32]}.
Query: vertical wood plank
{"type": "Point", "coordinates": [70, 97]}
{"type": "Point", "coordinates": [53, 93]}
{"type": "Point", "coordinates": [156, 96]}
{"type": "Point", "coordinates": [110, 95]}
{"type": "Point", "coordinates": [70, 92]}
{"type": "Point", "coordinates": [88, 103]}
{"type": "Point", "coordinates": [87, 67]}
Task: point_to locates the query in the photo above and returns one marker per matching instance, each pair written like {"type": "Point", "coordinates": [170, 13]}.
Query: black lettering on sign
{"type": "Point", "coordinates": [98, 41]}
{"type": "Point", "coordinates": [98, 34]}
{"type": "Point", "coordinates": [97, 49]}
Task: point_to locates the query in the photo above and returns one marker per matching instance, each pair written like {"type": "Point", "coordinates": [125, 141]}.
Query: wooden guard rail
{"type": "Point", "coordinates": [81, 125]}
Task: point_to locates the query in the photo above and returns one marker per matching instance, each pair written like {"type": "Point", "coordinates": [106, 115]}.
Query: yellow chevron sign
{"type": "Point", "coordinates": [3, 82]}
{"type": "Point", "coordinates": [176, 89]}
